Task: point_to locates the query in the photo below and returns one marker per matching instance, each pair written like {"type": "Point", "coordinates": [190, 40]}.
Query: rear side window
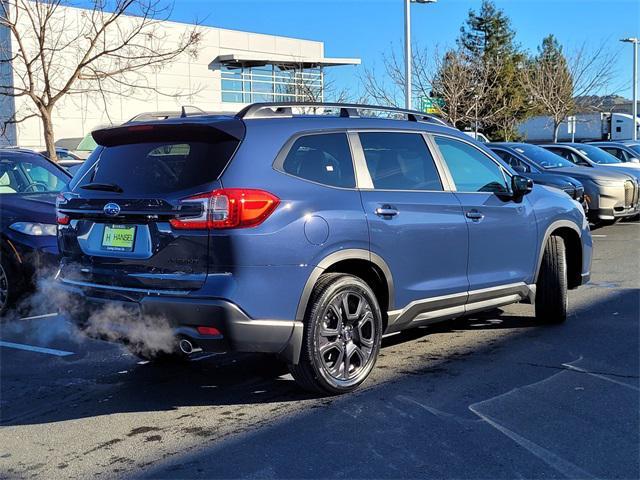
{"type": "Point", "coordinates": [324, 159]}
{"type": "Point", "coordinates": [399, 161]}
{"type": "Point", "coordinates": [161, 167]}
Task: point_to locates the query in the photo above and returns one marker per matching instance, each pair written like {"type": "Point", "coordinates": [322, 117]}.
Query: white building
{"type": "Point", "coordinates": [232, 68]}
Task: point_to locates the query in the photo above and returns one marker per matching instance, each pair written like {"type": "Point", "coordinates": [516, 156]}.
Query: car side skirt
{"type": "Point", "coordinates": [436, 309]}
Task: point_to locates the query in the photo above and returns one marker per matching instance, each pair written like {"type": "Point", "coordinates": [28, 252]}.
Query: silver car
{"type": "Point", "coordinates": [612, 192]}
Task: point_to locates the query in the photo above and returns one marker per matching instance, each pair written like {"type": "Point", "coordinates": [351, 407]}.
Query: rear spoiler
{"type": "Point", "coordinates": [228, 128]}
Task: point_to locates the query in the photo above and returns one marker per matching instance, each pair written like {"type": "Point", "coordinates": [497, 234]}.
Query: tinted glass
{"type": "Point", "coordinates": [472, 170]}
{"type": "Point", "coordinates": [399, 161]}
{"type": "Point", "coordinates": [513, 162]}
{"type": "Point", "coordinates": [542, 157]}
{"type": "Point", "coordinates": [597, 155]}
{"type": "Point", "coordinates": [635, 148]}
{"type": "Point", "coordinates": [23, 173]}
{"type": "Point", "coordinates": [568, 155]}
{"type": "Point", "coordinates": [616, 152]}
{"type": "Point", "coordinates": [324, 159]}
{"type": "Point", "coordinates": [160, 167]}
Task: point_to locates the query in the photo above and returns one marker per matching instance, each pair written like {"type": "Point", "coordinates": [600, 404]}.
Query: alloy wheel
{"type": "Point", "coordinates": [346, 337]}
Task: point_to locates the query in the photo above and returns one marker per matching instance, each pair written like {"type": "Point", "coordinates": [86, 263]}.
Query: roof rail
{"type": "Point", "coordinates": [347, 110]}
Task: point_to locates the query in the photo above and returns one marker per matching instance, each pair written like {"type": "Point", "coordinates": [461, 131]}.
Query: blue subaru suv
{"type": "Point", "coordinates": [307, 231]}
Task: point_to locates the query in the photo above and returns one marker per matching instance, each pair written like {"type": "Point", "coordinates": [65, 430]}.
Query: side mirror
{"type": "Point", "coordinates": [634, 160]}
{"type": "Point", "coordinates": [520, 185]}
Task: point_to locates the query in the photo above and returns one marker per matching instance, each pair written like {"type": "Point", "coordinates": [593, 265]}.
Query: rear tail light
{"type": "Point", "coordinates": [208, 331]}
{"type": "Point", "coordinates": [228, 208]}
{"type": "Point", "coordinates": [61, 218]}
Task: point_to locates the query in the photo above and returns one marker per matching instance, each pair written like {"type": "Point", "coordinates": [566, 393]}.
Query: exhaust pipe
{"type": "Point", "coordinates": [186, 346]}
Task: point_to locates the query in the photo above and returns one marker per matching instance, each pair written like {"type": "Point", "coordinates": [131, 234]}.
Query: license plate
{"type": "Point", "coordinates": [118, 238]}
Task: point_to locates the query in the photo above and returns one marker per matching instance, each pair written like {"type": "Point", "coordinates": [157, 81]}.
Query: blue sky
{"type": "Point", "coordinates": [367, 28]}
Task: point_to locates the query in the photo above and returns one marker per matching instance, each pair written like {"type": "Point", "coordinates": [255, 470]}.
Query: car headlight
{"type": "Point", "coordinates": [35, 229]}
{"type": "Point", "coordinates": [608, 183]}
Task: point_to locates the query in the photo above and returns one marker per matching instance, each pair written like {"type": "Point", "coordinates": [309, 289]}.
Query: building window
{"type": "Point", "coordinates": [269, 83]}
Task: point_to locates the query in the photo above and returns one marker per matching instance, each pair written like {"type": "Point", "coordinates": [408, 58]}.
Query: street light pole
{"type": "Point", "coordinates": [407, 54]}
{"type": "Point", "coordinates": [407, 49]}
{"type": "Point", "coordinates": [635, 85]}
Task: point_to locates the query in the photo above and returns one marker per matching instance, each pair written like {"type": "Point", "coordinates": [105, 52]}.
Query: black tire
{"type": "Point", "coordinates": [358, 334]}
{"type": "Point", "coordinates": [9, 284]}
{"type": "Point", "coordinates": [551, 287]}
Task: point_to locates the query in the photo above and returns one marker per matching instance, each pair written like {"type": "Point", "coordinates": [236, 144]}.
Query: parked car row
{"type": "Point", "coordinates": [610, 187]}
{"type": "Point", "coordinates": [29, 183]}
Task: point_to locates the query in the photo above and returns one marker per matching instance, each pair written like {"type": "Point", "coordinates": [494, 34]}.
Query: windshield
{"type": "Point", "coordinates": [22, 173]}
{"type": "Point", "coordinates": [597, 155]}
{"type": "Point", "coordinates": [635, 148]}
{"type": "Point", "coordinates": [543, 158]}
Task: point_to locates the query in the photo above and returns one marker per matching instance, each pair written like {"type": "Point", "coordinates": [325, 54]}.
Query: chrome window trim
{"type": "Point", "coordinates": [363, 176]}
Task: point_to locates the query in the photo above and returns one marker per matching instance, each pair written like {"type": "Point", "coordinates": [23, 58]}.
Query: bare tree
{"type": "Point", "coordinates": [554, 81]}
{"type": "Point", "coordinates": [462, 84]}
{"type": "Point", "coordinates": [53, 55]}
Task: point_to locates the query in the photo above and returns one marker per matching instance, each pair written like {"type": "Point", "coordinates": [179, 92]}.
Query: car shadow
{"type": "Point", "coordinates": [234, 379]}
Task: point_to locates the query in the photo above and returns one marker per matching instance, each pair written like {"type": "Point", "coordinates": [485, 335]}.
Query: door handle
{"type": "Point", "coordinates": [386, 211]}
{"type": "Point", "coordinates": [474, 215]}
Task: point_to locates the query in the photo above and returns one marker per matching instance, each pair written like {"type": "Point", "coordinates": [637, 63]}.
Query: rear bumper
{"type": "Point", "coordinates": [85, 303]}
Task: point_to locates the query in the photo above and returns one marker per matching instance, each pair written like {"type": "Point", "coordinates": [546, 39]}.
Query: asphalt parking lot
{"type": "Point", "coordinates": [493, 396]}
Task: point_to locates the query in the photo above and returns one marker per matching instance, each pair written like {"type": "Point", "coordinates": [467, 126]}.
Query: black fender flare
{"type": "Point", "coordinates": [550, 229]}
{"type": "Point", "coordinates": [339, 256]}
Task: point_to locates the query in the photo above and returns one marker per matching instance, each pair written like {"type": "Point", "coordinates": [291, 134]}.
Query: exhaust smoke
{"type": "Point", "coordinates": [118, 322]}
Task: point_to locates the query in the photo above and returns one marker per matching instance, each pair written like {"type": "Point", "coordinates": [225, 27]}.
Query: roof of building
{"type": "Point", "coordinates": [256, 59]}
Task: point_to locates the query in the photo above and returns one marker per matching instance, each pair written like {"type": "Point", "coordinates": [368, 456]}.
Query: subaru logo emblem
{"type": "Point", "coordinates": [111, 209]}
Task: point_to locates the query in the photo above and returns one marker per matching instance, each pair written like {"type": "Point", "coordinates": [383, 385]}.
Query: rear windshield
{"type": "Point", "coordinates": [160, 167]}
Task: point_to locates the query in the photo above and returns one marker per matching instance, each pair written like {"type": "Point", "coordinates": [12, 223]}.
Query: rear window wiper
{"type": "Point", "coordinates": [107, 187]}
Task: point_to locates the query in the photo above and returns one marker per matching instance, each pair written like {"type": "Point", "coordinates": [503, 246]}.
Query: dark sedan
{"type": "Point", "coordinates": [29, 184]}
{"type": "Point", "coordinates": [512, 153]}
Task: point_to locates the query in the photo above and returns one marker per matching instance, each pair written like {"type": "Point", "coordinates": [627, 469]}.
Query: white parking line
{"type": "Point", "coordinates": [598, 236]}
{"type": "Point", "coordinates": [32, 348]}
{"type": "Point", "coordinates": [46, 315]}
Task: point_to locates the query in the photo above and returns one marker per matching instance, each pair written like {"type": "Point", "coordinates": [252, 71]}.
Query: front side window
{"type": "Point", "coordinates": [472, 170]}
{"type": "Point", "coordinates": [324, 159]}
{"type": "Point", "coordinates": [399, 161]}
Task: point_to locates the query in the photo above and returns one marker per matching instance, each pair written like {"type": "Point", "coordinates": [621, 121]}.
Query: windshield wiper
{"type": "Point", "coordinates": [106, 187]}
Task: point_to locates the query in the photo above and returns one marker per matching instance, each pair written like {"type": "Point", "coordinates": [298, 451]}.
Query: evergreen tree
{"type": "Point", "coordinates": [487, 36]}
